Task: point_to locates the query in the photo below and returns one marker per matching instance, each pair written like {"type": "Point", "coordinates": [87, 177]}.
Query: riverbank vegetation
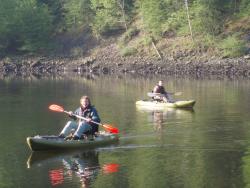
{"type": "Point", "coordinates": [219, 27]}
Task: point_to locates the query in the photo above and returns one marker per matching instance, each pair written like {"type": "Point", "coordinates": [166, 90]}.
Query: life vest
{"type": "Point", "coordinates": [89, 112]}
{"type": "Point", "coordinates": [159, 89]}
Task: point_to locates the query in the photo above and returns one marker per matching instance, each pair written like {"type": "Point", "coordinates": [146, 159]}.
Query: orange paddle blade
{"type": "Point", "coordinates": [110, 128]}
{"type": "Point", "coordinates": [56, 108]}
{"type": "Point", "coordinates": [110, 168]}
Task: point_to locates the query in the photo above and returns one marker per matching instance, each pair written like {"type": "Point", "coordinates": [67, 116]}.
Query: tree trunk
{"type": "Point", "coordinates": [153, 44]}
{"type": "Point", "coordinates": [121, 5]}
{"type": "Point", "coordinates": [189, 22]}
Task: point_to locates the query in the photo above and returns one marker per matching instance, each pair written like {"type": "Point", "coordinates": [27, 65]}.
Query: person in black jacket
{"type": "Point", "coordinates": [160, 93]}
{"type": "Point", "coordinates": [82, 127]}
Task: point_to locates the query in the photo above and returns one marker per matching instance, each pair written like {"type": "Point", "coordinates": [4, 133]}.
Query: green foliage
{"type": "Point", "coordinates": [127, 51]}
{"type": "Point", "coordinates": [183, 30]}
{"type": "Point", "coordinates": [146, 41]}
{"type": "Point", "coordinates": [244, 8]}
{"type": "Point", "coordinates": [35, 23]}
{"type": "Point", "coordinates": [29, 25]}
{"type": "Point", "coordinates": [207, 18]}
{"type": "Point", "coordinates": [78, 13]}
{"type": "Point", "coordinates": [232, 46]}
{"type": "Point", "coordinates": [128, 35]}
{"type": "Point", "coordinates": [176, 21]}
{"type": "Point", "coordinates": [106, 16]}
{"type": "Point", "coordinates": [104, 22]}
{"type": "Point", "coordinates": [153, 14]}
{"type": "Point", "coordinates": [57, 12]}
{"type": "Point", "coordinates": [77, 51]}
{"type": "Point", "coordinates": [8, 22]}
{"type": "Point", "coordinates": [28, 29]}
{"type": "Point", "coordinates": [210, 16]}
{"type": "Point", "coordinates": [208, 41]}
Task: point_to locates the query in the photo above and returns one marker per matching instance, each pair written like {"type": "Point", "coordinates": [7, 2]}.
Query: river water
{"type": "Point", "coordinates": [208, 146]}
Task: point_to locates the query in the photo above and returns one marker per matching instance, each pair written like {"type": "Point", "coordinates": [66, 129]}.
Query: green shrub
{"type": "Point", "coordinates": [232, 46]}
{"type": "Point", "coordinates": [175, 21]}
{"type": "Point", "coordinates": [127, 51]}
{"type": "Point", "coordinates": [183, 31]}
{"type": "Point", "coordinates": [207, 40]}
{"type": "Point", "coordinates": [244, 8]}
{"type": "Point", "coordinates": [146, 41]}
{"type": "Point", "coordinates": [77, 51]}
{"type": "Point", "coordinates": [129, 34]}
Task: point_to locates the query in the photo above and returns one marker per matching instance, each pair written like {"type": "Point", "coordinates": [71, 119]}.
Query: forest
{"type": "Point", "coordinates": [34, 26]}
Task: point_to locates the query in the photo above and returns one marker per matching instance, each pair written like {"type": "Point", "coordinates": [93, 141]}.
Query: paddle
{"type": "Point", "coordinates": [106, 168]}
{"type": "Point", "coordinates": [151, 94]}
{"type": "Point", "coordinates": [58, 108]}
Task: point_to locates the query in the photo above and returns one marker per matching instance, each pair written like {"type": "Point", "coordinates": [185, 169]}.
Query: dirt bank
{"type": "Point", "coordinates": [107, 60]}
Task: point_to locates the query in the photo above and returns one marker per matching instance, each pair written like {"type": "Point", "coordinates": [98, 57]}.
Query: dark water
{"type": "Point", "coordinates": [206, 147]}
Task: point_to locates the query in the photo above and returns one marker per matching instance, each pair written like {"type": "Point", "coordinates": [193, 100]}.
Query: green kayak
{"type": "Point", "coordinates": [161, 105]}
{"type": "Point", "coordinates": [42, 143]}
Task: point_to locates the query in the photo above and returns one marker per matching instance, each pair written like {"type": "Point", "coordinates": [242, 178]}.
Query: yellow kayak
{"type": "Point", "coordinates": [161, 105]}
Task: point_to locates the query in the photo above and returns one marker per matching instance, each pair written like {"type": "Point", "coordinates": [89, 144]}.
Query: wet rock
{"type": "Point", "coordinates": [247, 57]}
{"type": "Point", "coordinates": [105, 70]}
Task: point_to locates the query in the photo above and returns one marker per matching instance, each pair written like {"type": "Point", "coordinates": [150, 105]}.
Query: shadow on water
{"type": "Point", "coordinates": [66, 166]}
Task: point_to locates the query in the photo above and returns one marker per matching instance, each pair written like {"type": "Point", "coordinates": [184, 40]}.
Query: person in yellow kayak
{"type": "Point", "coordinates": [82, 127]}
{"type": "Point", "coordinates": [160, 94]}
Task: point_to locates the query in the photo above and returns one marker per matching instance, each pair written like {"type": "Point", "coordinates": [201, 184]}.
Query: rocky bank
{"type": "Point", "coordinates": [108, 60]}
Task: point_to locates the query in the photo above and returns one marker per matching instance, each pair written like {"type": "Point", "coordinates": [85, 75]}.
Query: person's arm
{"type": "Point", "coordinates": [155, 90]}
{"type": "Point", "coordinates": [94, 115]}
{"type": "Point", "coordinates": [165, 92]}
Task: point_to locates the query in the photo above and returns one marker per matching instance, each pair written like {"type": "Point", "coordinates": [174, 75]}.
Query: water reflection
{"type": "Point", "coordinates": [158, 117]}
{"type": "Point", "coordinates": [66, 168]}
{"type": "Point", "coordinates": [164, 123]}
{"type": "Point", "coordinates": [161, 119]}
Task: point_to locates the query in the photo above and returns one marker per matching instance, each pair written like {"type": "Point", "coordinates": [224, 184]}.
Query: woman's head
{"type": "Point", "coordinates": [85, 101]}
{"type": "Point", "coordinates": [160, 83]}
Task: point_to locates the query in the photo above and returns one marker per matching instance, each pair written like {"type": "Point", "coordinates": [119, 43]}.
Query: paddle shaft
{"type": "Point", "coordinates": [80, 117]}
{"type": "Point", "coordinates": [150, 94]}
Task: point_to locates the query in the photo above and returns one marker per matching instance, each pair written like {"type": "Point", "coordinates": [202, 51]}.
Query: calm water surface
{"type": "Point", "coordinates": [208, 146]}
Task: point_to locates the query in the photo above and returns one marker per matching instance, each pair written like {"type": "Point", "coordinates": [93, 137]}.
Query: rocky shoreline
{"type": "Point", "coordinates": [109, 61]}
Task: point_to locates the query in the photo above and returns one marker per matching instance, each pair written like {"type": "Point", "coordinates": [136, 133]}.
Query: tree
{"type": "Point", "coordinates": [189, 22]}
{"type": "Point", "coordinates": [8, 22]}
{"type": "Point", "coordinates": [153, 13]}
{"type": "Point", "coordinates": [106, 16]}
{"type": "Point", "coordinates": [29, 29]}
{"type": "Point", "coordinates": [57, 11]}
{"type": "Point", "coordinates": [211, 15]}
{"type": "Point", "coordinates": [244, 7]}
{"type": "Point", "coordinates": [35, 25]}
{"type": "Point", "coordinates": [121, 4]}
{"type": "Point", "coordinates": [78, 13]}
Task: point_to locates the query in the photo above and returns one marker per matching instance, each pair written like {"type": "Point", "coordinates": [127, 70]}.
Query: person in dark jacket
{"type": "Point", "coordinates": [160, 93]}
{"type": "Point", "coordinates": [81, 127]}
